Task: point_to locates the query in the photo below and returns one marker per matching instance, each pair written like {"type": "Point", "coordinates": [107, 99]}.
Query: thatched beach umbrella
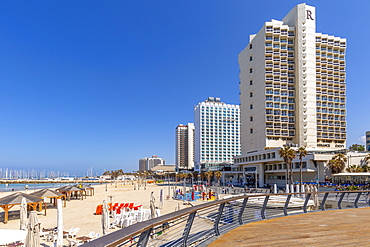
{"type": "Point", "coordinates": [60, 226]}
{"type": "Point", "coordinates": [105, 217]}
{"type": "Point", "coordinates": [33, 234]}
{"type": "Point", "coordinates": [88, 188]}
{"type": "Point", "coordinates": [48, 193]}
{"type": "Point", "coordinates": [9, 201]}
{"type": "Point", "coordinates": [23, 215]}
{"type": "Point", "coordinates": [69, 189]}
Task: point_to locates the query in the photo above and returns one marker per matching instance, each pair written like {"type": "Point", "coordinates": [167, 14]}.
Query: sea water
{"type": "Point", "coordinates": [31, 186]}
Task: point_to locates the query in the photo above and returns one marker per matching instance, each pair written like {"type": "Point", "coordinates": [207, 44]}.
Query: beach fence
{"type": "Point", "coordinates": [202, 224]}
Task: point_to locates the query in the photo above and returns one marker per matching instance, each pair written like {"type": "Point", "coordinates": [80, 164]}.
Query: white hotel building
{"type": "Point", "coordinates": [217, 134]}
{"type": "Point", "coordinates": [292, 92]}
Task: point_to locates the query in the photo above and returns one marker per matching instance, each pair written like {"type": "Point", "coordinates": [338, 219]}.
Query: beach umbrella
{"type": "Point", "coordinates": [23, 215]}
{"type": "Point", "coordinates": [33, 228]}
{"type": "Point", "coordinates": [152, 205]}
{"type": "Point", "coordinates": [60, 226]}
{"type": "Point", "coordinates": [105, 217]}
{"type": "Point", "coordinates": [9, 201]}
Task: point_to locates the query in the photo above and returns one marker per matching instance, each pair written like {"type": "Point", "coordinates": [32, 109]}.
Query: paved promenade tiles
{"type": "Point", "coordinates": [346, 227]}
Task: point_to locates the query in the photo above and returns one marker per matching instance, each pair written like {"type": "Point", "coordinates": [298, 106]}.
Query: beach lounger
{"type": "Point", "coordinates": [68, 232]}
{"type": "Point", "coordinates": [51, 237]}
{"type": "Point", "coordinates": [91, 234]}
{"type": "Point", "coordinates": [74, 232]}
{"type": "Point", "coordinates": [73, 242]}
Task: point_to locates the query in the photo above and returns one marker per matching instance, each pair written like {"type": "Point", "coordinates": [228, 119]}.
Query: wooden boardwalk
{"type": "Point", "coordinates": [346, 227]}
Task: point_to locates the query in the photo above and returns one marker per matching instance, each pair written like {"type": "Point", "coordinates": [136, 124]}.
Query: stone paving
{"type": "Point", "coordinates": [346, 227]}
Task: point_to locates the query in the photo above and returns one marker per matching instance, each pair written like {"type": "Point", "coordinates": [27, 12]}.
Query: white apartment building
{"type": "Point", "coordinates": [185, 146]}
{"type": "Point", "coordinates": [217, 134]}
{"type": "Point", "coordinates": [292, 92]}
{"type": "Point", "coordinates": [367, 146]}
{"type": "Point", "coordinates": [147, 164]}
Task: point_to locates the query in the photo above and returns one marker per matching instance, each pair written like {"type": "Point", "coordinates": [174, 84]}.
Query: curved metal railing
{"type": "Point", "coordinates": [200, 224]}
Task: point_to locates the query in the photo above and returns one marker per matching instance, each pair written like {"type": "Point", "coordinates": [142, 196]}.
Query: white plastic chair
{"type": "Point", "coordinates": [139, 216]}
{"type": "Point", "coordinates": [146, 214]}
{"type": "Point", "coordinates": [97, 235]}
{"type": "Point", "coordinates": [123, 218]}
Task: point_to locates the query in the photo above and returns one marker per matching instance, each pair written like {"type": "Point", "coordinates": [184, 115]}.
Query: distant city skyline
{"type": "Point", "coordinates": [102, 84]}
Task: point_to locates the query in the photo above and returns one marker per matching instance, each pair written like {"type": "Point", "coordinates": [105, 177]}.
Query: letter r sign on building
{"type": "Point", "coordinates": [309, 14]}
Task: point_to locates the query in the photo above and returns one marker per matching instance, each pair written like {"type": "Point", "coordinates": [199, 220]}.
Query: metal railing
{"type": "Point", "coordinates": [201, 224]}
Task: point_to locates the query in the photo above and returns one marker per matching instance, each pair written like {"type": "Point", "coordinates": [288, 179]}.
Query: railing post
{"type": "Point", "coordinates": [357, 198]}
{"type": "Point", "coordinates": [285, 209]}
{"type": "Point", "coordinates": [308, 196]}
{"type": "Point", "coordinates": [218, 218]}
{"type": "Point", "coordinates": [187, 228]}
{"type": "Point", "coordinates": [340, 200]}
{"type": "Point", "coordinates": [242, 211]}
{"type": "Point", "coordinates": [323, 201]}
{"type": "Point", "coordinates": [144, 238]}
{"type": "Point", "coordinates": [264, 207]}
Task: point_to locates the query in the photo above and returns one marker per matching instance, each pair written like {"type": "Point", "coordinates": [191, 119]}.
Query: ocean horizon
{"type": "Point", "coordinates": [32, 186]}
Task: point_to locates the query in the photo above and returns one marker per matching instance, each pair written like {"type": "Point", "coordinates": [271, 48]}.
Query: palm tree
{"type": "Point", "coordinates": [202, 176]}
{"type": "Point", "coordinates": [209, 175]}
{"type": "Point", "coordinates": [355, 168]}
{"type": "Point", "coordinates": [288, 155]}
{"type": "Point", "coordinates": [337, 163]}
{"type": "Point", "coordinates": [218, 175]}
{"type": "Point", "coordinates": [367, 159]}
{"type": "Point", "coordinates": [301, 152]}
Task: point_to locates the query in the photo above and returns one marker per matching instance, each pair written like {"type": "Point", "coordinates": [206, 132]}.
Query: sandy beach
{"type": "Point", "coordinates": [81, 213]}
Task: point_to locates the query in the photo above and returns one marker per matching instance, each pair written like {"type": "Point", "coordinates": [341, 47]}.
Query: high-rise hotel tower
{"type": "Point", "coordinates": [185, 147]}
{"type": "Point", "coordinates": [217, 134]}
{"type": "Point", "coordinates": [292, 85]}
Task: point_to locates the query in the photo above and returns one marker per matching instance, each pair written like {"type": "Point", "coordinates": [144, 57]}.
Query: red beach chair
{"type": "Point", "coordinates": [113, 206]}
{"type": "Point", "coordinates": [99, 209]}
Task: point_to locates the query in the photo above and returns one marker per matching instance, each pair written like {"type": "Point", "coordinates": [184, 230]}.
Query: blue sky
{"type": "Point", "coordinates": [104, 83]}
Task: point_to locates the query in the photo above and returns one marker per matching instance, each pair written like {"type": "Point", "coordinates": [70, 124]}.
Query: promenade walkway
{"type": "Point", "coordinates": [347, 227]}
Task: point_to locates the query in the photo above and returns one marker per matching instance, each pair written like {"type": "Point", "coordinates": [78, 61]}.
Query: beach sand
{"type": "Point", "coordinates": [81, 213]}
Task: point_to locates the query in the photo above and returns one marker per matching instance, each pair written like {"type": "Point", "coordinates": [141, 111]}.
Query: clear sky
{"type": "Point", "coordinates": [104, 83]}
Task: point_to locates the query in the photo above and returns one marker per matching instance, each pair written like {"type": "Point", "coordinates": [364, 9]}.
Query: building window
{"type": "Point", "coordinates": [250, 46]}
{"type": "Point", "coordinates": [251, 106]}
{"type": "Point", "coordinates": [251, 118]}
{"type": "Point", "coordinates": [250, 58]}
{"type": "Point", "coordinates": [251, 131]}
{"type": "Point", "coordinates": [250, 70]}
{"type": "Point", "coordinates": [251, 82]}
{"type": "Point", "coordinates": [251, 94]}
